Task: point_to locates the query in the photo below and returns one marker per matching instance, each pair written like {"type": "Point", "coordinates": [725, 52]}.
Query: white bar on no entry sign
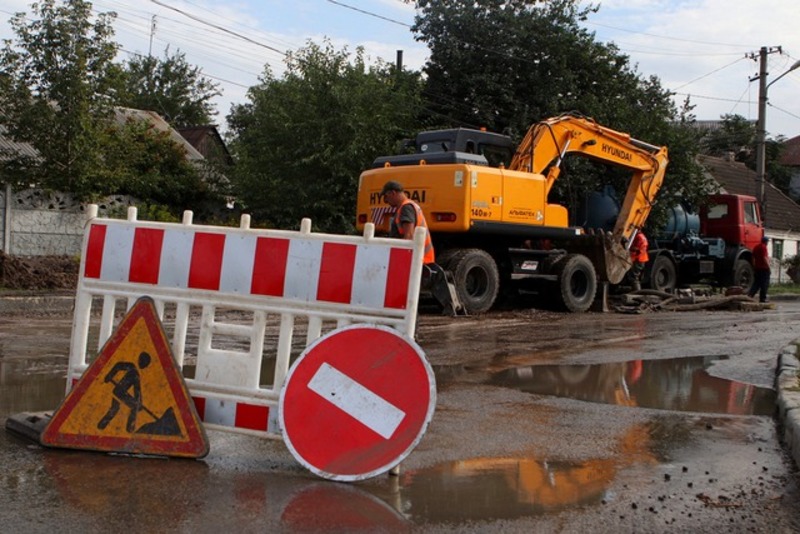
{"type": "Point", "coordinates": [356, 401]}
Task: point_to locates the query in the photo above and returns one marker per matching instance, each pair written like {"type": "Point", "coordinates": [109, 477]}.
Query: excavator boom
{"type": "Point", "coordinates": [549, 141]}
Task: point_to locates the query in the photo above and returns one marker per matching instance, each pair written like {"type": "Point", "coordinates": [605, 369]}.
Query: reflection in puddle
{"type": "Point", "coordinates": [503, 488]}
{"type": "Point", "coordinates": [681, 384]}
{"type": "Point", "coordinates": [509, 488]}
{"type": "Point", "coordinates": [31, 385]}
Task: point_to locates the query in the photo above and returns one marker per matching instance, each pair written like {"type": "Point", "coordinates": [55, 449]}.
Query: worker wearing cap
{"type": "Point", "coordinates": [763, 273]}
{"type": "Point", "coordinates": [407, 216]}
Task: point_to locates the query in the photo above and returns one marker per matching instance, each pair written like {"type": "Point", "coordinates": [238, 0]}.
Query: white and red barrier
{"type": "Point", "coordinates": [273, 277]}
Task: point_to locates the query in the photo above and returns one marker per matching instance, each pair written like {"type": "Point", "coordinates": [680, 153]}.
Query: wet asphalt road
{"type": "Point", "coordinates": [545, 422]}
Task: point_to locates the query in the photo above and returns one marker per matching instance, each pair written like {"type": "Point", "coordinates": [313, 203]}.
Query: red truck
{"type": "Point", "coordinates": [714, 246]}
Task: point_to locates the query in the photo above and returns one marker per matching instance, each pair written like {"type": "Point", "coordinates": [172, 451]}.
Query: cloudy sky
{"type": "Point", "coordinates": [704, 49]}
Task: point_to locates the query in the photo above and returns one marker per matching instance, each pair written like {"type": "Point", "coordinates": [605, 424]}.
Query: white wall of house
{"type": "Point", "coordinates": [782, 246]}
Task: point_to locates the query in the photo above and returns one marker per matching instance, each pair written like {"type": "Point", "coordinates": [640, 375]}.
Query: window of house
{"type": "Point", "coordinates": [777, 248]}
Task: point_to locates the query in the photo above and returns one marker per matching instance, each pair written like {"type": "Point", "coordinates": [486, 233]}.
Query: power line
{"type": "Point", "coordinates": [369, 13]}
{"type": "Point", "coordinates": [220, 28]}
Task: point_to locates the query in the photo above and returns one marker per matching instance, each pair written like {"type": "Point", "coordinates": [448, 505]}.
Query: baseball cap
{"type": "Point", "coordinates": [765, 239]}
{"type": "Point", "coordinates": [391, 185]}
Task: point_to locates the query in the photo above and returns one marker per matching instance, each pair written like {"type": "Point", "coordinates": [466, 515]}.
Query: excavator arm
{"type": "Point", "coordinates": [548, 142]}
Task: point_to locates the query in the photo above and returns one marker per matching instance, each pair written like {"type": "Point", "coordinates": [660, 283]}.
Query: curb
{"type": "Point", "coordinates": [788, 402]}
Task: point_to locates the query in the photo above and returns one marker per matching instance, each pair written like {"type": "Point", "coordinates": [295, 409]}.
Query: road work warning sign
{"type": "Point", "coordinates": [131, 398]}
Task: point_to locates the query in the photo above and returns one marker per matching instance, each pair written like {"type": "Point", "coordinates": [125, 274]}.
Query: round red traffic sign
{"type": "Point", "coordinates": [356, 402]}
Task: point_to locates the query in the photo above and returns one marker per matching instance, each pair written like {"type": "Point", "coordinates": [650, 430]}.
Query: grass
{"type": "Point", "coordinates": [784, 289]}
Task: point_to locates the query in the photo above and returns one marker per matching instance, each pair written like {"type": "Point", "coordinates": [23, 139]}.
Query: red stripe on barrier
{"type": "Point", "coordinates": [206, 266]}
{"type": "Point", "coordinates": [94, 251]}
{"type": "Point", "coordinates": [200, 406]}
{"type": "Point", "coordinates": [269, 268]}
{"type": "Point", "coordinates": [336, 272]}
{"type": "Point", "coordinates": [397, 278]}
{"type": "Point", "coordinates": [146, 255]}
{"type": "Point", "coordinates": [251, 416]}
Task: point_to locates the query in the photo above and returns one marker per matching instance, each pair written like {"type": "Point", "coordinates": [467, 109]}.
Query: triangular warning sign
{"type": "Point", "coordinates": [132, 398]}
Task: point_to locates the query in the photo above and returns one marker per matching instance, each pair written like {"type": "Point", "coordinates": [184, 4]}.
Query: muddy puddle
{"type": "Point", "coordinates": [681, 384]}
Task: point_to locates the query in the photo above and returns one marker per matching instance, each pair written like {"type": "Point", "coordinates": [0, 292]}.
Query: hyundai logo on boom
{"type": "Point", "coordinates": [617, 152]}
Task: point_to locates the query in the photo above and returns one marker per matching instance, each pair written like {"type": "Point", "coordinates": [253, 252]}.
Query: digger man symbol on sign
{"type": "Point", "coordinates": [127, 390]}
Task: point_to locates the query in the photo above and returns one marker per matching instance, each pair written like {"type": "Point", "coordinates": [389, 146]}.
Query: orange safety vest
{"type": "Point", "coordinates": [639, 249]}
{"type": "Point", "coordinates": [428, 256]}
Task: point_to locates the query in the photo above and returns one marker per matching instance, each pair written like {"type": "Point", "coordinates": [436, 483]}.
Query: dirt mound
{"type": "Point", "coordinates": [38, 272]}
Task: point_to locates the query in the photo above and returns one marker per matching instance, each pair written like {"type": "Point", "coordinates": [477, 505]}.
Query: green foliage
{"type": "Point", "coordinates": [145, 163]}
{"type": "Point", "coordinates": [302, 141]}
{"type": "Point", "coordinates": [56, 76]}
{"type": "Point", "coordinates": [171, 87]}
{"type": "Point", "coordinates": [506, 65]}
{"type": "Point", "coordinates": [737, 136]}
{"type": "Point", "coordinates": [145, 212]}
{"type": "Point", "coordinates": [792, 266]}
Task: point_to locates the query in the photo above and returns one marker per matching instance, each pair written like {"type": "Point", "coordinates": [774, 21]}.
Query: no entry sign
{"type": "Point", "coordinates": [356, 402]}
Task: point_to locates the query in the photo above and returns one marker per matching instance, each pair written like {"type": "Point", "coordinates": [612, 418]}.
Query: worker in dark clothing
{"type": "Point", "coordinates": [407, 216]}
{"type": "Point", "coordinates": [762, 270]}
{"type": "Point", "coordinates": [639, 258]}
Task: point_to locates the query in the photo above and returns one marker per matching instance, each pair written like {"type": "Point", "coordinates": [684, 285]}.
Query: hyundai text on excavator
{"type": "Point", "coordinates": [491, 221]}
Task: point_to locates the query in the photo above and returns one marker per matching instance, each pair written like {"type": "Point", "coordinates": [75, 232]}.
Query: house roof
{"type": "Point", "coordinates": [782, 213]}
{"type": "Point", "coordinates": [8, 147]}
{"type": "Point", "coordinates": [791, 152]}
{"type": "Point", "coordinates": [123, 114]}
{"type": "Point", "coordinates": [199, 136]}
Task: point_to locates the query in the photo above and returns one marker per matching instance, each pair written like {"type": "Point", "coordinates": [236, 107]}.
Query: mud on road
{"type": "Point", "coordinates": [544, 422]}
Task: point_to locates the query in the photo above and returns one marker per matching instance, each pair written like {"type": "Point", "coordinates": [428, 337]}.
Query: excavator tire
{"type": "Point", "coordinates": [577, 283]}
{"type": "Point", "coordinates": [662, 275]}
{"type": "Point", "coordinates": [743, 275]}
{"type": "Point", "coordinates": [476, 278]}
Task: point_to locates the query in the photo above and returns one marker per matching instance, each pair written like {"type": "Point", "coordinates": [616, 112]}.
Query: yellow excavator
{"type": "Point", "coordinates": [486, 205]}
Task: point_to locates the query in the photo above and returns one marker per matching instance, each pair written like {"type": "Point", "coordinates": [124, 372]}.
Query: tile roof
{"type": "Point", "coordinates": [791, 152]}
{"type": "Point", "coordinates": [782, 213]}
{"type": "Point", "coordinates": [7, 146]}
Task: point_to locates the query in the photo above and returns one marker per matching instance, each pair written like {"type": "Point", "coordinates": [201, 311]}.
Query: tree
{"type": "Point", "coordinates": [506, 64]}
{"type": "Point", "coordinates": [145, 163]}
{"type": "Point", "coordinates": [55, 88]}
{"type": "Point", "coordinates": [302, 141]}
{"type": "Point", "coordinates": [737, 136]}
{"type": "Point", "coordinates": [171, 87]}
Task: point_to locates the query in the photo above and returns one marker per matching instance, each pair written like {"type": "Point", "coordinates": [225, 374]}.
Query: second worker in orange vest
{"type": "Point", "coordinates": [639, 257]}
{"type": "Point", "coordinates": [407, 216]}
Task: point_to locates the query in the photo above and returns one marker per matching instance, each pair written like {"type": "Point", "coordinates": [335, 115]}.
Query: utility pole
{"type": "Point", "coordinates": [152, 34]}
{"type": "Point", "coordinates": [761, 126]}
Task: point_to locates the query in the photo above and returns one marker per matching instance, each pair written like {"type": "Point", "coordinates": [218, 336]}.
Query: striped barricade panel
{"type": "Point", "coordinates": [274, 277]}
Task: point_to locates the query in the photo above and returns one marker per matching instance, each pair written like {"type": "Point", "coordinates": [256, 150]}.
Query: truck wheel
{"type": "Point", "coordinates": [476, 277]}
{"type": "Point", "coordinates": [743, 275]}
{"type": "Point", "coordinates": [663, 276]}
{"type": "Point", "coordinates": [577, 282]}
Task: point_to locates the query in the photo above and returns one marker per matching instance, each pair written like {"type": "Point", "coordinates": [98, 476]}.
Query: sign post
{"type": "Point", "coordinates": [357, 402]}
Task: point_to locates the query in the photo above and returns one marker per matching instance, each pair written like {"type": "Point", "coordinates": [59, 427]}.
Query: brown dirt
{"type": "Point", "coordinates": [38, 272]}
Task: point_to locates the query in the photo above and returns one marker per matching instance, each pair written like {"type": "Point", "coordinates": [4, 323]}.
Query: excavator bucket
{"type": "Point", "coordinates": [607, 254]}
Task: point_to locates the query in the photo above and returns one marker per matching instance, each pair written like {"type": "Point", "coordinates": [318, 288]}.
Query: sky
{"type": "Point", "coordinates": [703, 49]}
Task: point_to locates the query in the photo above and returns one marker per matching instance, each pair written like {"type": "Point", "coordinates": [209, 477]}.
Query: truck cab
{"type": "Point", "coordinates": [734, 218]}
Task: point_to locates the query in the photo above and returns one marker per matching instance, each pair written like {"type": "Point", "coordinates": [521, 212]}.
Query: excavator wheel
{"type": "Point", "coordinates": [662, 275]}
{"type": "Point", "coordinates": [476, 278]}
{"type": "Point", "coordinates": [577, 283]}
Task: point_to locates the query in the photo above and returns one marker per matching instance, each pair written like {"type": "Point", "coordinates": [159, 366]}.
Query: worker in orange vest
{"type": "Point", "coordinates": [407, 216]}
{"type": "Point", "coordinates": [639, 258]}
